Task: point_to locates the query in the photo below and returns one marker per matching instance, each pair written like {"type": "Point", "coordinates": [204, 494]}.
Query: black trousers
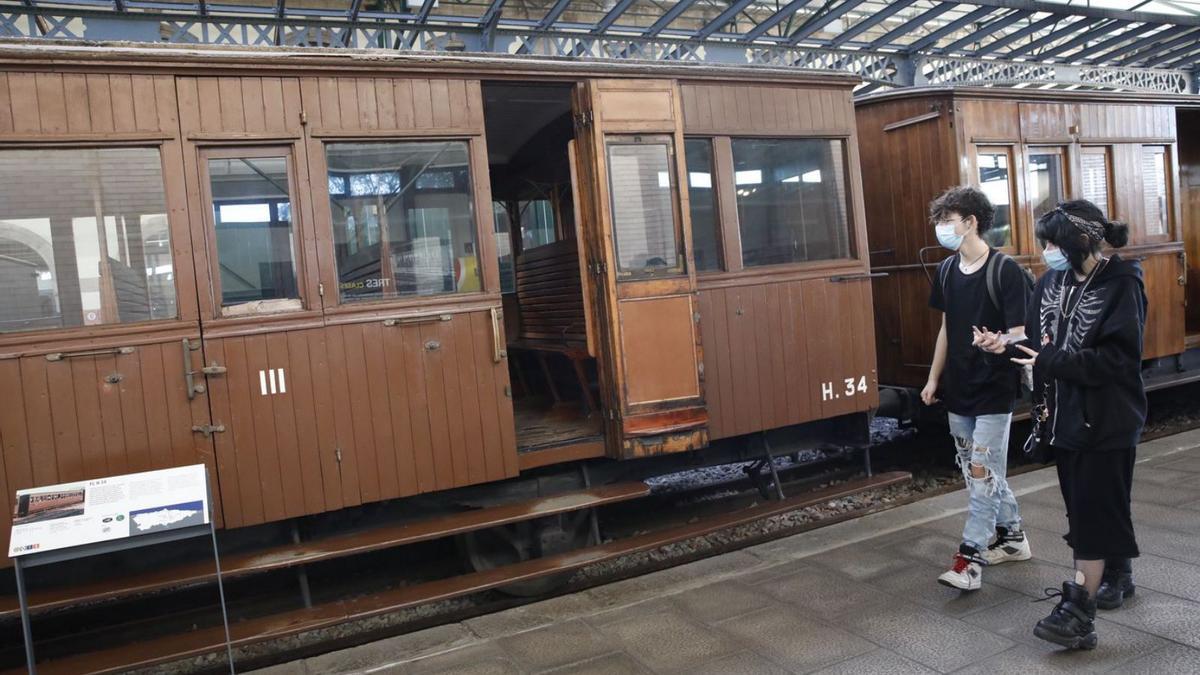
{"type": "Point", "coordinates": [1096, 488]}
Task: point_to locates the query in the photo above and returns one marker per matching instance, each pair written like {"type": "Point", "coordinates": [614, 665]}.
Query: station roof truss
{"type": "Point", "coordinates": [1132, 45]}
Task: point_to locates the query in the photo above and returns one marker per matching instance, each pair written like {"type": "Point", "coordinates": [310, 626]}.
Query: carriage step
{"type": "Point", "coordinates": [319, 550]}
{"type": "Point", "coordinates": [210, 640]}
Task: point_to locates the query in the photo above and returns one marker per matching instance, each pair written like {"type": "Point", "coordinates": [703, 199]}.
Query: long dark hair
{"type": "Point", "coordinates": [1079, 228]}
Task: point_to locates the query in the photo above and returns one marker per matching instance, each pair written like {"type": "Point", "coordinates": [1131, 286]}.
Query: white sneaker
{"type": "Point", "coordinates": [965, 574]}
{"type": "Point", "coordinates": [1008, 547]}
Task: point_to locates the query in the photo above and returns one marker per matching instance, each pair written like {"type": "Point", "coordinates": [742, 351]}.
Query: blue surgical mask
{"type": "Point", "coordinates": [946, 237]}
{"type": "Point", "coordinates": [1056, 260]}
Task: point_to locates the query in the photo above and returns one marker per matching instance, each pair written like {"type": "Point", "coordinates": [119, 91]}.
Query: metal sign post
{"type": "Point", "coordinates": [65, 553]}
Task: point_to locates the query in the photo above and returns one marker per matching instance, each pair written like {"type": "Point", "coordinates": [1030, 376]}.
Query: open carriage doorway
{"type": "Point", "coordinates": [544, 281]}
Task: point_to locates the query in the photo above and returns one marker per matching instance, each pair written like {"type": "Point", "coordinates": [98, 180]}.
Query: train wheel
{"type": "Point", "coordinates": [508, 544]}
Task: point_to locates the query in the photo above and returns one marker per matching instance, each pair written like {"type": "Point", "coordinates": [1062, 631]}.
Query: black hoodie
{"type": "Point", "coordinates": [1093, 362]}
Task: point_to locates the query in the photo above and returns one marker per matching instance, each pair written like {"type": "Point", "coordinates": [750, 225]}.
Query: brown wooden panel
{"type": "Point", "coordinates": [1048, 121]}
{"type": "Point", "coordinates": [1165, 333]}
{"type": "Point", "coordinates": [6, 118]}
{"type": "Point", "coordinates": [1189, 191]}
{"type": "Point", "coordinates": [989, 120]}
{"type": "Point", "coordinates": [659, 365]}
{"type": "Point", "coordinates": [710, 108]}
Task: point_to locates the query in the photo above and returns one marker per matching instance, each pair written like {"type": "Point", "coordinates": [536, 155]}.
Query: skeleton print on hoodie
{"type": "Point", "coordinates": [1093, 362]}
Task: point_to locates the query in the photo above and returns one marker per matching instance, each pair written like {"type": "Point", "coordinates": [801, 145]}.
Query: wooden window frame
{"type": "Point", "coordinates": [1107, 152]}
{"type": "Point", "coordinates": [1168, 181]}
{"type": "Point", "coordinates": [682, 270]}
{"type": "Point", "coordinates": [722, 233]}
{"type": "Point", "coordinates": [1068, 175]}
{"type": "Point", "coordinates": [303, 266]}
{"type": "Point", "coordinates": [1016, 190]}
{"type": "Point", "coordinates": [481, 209]}
{"type": "Point", "coordinates": [730, 229]}
{"type": "Point", "coordinates": [182, 253]}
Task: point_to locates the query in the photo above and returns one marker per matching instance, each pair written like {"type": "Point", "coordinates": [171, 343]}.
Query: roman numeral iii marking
{"type": "Point", "coordinates": [271, 382]}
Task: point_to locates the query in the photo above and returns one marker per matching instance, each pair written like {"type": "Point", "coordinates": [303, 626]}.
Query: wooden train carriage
{"type": "Point", "coordinates": [341, 279]}
{"type": "Point", "coordinates": [1027, 150]}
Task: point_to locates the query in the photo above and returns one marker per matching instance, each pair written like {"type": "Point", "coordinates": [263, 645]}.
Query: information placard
{"type": "Point", "coordinates": [105, 509]}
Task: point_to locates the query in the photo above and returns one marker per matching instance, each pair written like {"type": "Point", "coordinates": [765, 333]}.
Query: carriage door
{"type": "Point", "coordinates": [630, 140]}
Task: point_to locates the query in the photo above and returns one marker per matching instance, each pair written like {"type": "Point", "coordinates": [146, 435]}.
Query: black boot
{"type": "Point", "coordinates": [1116, 585]}
{"type": "Point", "coordinates": [1071, 623]}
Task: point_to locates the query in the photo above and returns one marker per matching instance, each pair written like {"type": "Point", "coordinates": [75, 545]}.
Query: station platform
{"type": "Point", "coordinates": [856, 597]}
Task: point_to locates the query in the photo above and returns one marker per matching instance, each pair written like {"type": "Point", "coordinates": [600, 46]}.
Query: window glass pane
{"type": "Point", "coordinates": [791, 200]}
{"type": "Point", "coordinates": [1095, 179]}
{"type": "Point", "coordinates": [405, 226]}
{"type": "Point", "coordinates": [1154, 190]}
{"type": "Point", "coordinates": [508, 279]}
{"type": "Point", "coordinates": [702, 200]}
{"type": "Point", "coordinates": [1045, 182]}
{"type": "Point", "coordinates": [255, 240]}
{"type": "Point", "coordinates": [643, 208]}
{"type": "Point", "coordinates": [537, 223]}
{"type": "Point", "coordinates": [994, 181]}
{"type": "Point", "coordinates": [83, 238]}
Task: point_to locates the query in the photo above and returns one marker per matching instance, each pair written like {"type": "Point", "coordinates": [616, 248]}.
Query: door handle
{"type": "Point", "coordinates": [418, 319]}
{"type": "Point", "coordinates": [498, 351]}
{"type": "Point", "coordinates": [59, 356]}
{"type": "Point", "coordinates": [189, 380]}
{"type": "Point", "coordinates": [208, 429]}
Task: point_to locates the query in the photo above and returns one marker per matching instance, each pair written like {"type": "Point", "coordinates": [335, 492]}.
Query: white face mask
{"type": "Point", "coordinates": [946, 236]}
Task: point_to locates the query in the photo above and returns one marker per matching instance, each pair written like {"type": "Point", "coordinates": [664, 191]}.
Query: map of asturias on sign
{"type": "Point", "coordinates": [166, 517]}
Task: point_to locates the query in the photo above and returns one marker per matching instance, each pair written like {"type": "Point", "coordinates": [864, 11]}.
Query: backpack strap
{"type": "Point", "coordinates": [994, 265]}
{"type": "Point", "coordinates": [944, 273]}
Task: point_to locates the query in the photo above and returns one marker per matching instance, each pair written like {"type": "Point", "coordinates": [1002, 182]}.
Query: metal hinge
{"type": "Point", "coordinates": [214, 369]}
{"type": "Point", "coordinates": [599, 268]}
{"type": "Point", "coordinates": [303, 118]}
{"type": "Point", "coordinates": [209, 429]}
{"type": "Point", "coordinates": [583, 119]}
{"type": "Point", "coordinates": [321, 290]}
{"type": "Point", "coordinates": [337, 452]}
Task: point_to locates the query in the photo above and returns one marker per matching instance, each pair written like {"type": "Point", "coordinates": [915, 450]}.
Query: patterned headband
{"type": "Point", "coordinates": [1094, 230]}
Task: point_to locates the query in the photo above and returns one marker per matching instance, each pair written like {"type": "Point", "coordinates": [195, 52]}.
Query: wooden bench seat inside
{"type": "Point", "coordinates": [290, 555]}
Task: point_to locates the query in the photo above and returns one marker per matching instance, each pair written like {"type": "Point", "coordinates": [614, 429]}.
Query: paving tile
{"type": "Point", "coordinates": [1015, 620]}
{"type": "Point", "coordinates": [1027, 661]}
{"type": "Point", "coordinates": [1165, 517]}
{"type": "Point", "coordinates": [484, 659]}
{"type": "Point", "coordinates": [1164, 615]}
{"type": "Point", "coordinates": [1048, 546]}
{"type": "Point", "coordinates": [824, 594]}
{"type": "Point", "coordinates": [800, 644]}
{"type": "Point", "coordinates": [1165, 495]}
{"type": "Point", "coordinates": [1190, 464]}
{"type": "Point", "coordinates": [393, 649]}
{"type": "Point", "coordinates": [610, 664]}
{"type": "Point", "coordinates": [555, 646]}
{"type": "Point", "coordinates": [1168, 576]}
{"type": "Point", "coordinates": [773, 572]}
{"type": "Point", "coordinates": [937, 641]}
{"type": "Point", "coordinates": [1175, 659]}
{"type": "Point", "coordinates": [630, 612]}
{"type": "Point", "coordinates": [1166, 543]}
{"type": "Point", "coordinates": [721, 601]}
{"type": "Point", "coordinates": [669, 640]}
{"type": "Point", "coordinates": [1160, 476]}
{"type": "Point", "coordinates": [859, 561]}
{"type": "Point", "coordinates": [1027, 578]}
{"type": "Point", "coordinates": [528, 617]}
{"type": "Point", "coordinates": [744, 663]}
{"type": "Point", "coordinates": [935, 549]}
{"type": "Point", "coordinates": [878, 662]}
{"type": "Point", "coordinates": [917, 583]}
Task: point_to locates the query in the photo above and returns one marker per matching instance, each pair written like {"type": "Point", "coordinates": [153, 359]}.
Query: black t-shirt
{"type": "Point", "coordinates": [974, 382]}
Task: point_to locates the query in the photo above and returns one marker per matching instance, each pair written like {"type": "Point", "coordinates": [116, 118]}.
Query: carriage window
{"type": "Point", "coordinates": [252, 216]}
{"type": "Point", "coordinates": [791, 200]}
{"type": "Point", "coordinates": [995, 181]}
{"type": "Point", "coordinates": [643, 207]}
{"type": "Point", "coordinates": [537, 223]}
{"type": "Point", "coordinates": [404, 223]}
{"type": "Point", "coordinates": [702, 199]}
{"type": "Point", "coordinates": [1094, 164]}
{"type": "Point", "coordinates": [1046, 184]}
{"type": "Point", "coordinates": [83, 238]}
{"type": "Point", "coordinates": [1154, 190]}
{"type": "Point", "coordinates": [504, 252]}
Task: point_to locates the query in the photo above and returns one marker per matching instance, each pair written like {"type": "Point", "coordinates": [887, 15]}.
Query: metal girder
{"type": "Point", "coordinates": [119, 5]}
{"type": "Point", "coordinates": [977, 15]}
{"type": "Point", "coordinates": [1099, 46]}
{"type": "Point", "coordinates": [773, 20]}
{"type": "Point", "coordinates": [612, 16]}
{"type": "Point", "coordinates": [1105, 28]}
{"type": "Point", "coordinates": [998, 24]}
{"type": "Point", "coordinates": [918, 20]}
{"type": "Point", "coordinates": [873, 20]}
{"type": "Point", "coordinates": [280, 6]}
{"type": "Point", "coordinates": [665, 20]}
{"type": "Point", "coordinates": [1160, 47]}
{"type": "Point", "coordinates": [1134, 46]}
{"type": "Point", "coordinates": [817, 22]}
{"type": "Point", "coordinates": [355, 8]}
{"type": "Point", "coordinates": [1052, 37]}
{"type": "Point", "coordinates": [1010, 38]}
{"type": "Point", "coordinates": [202, 8]}
{"type": "Point", "coordinates": [1186, 45]}
{"type": "Point", "coordinates": [723, 18]}
{"type": "Point", "coordinates": [1183, 59]}
{"type": "Point", "coordinates": [1063, 9]}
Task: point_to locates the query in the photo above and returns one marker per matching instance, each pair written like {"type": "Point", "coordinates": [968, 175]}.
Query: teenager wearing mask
{"type": "Point", "coordinates": [1090, 312]}
{"type": "Point", "coordinates": [976, 288]}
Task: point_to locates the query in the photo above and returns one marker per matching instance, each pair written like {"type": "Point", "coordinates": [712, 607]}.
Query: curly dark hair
{"type": "Point", "coordinates": [964, 201]}
{"type": "Point", "coordinates": [1055, 227]}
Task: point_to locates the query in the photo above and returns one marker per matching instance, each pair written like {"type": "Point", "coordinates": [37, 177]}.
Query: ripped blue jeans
{"type": "Point", "coordinates": [982, 444]}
